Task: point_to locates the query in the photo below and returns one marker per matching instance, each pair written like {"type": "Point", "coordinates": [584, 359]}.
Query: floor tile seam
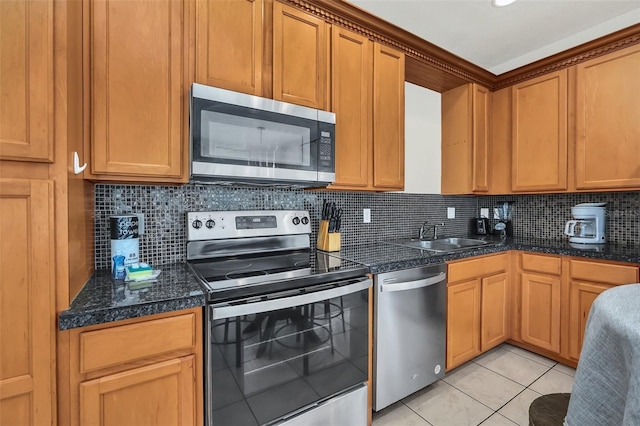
{"type": "Point", "coordinates": [480, 402]}
{"type": "Point", "coordinates": [418, 414]}
{"type": "Point", "coordinates": [566, 374]}
{"type": "Point", "coordinates": [537, 362]}
{"type": "Point", "coordinates": [508, 378]}
{"type": "Point", "coordinates": [499, 414]}
{"type": "Point", "coordinates": [539, 377]}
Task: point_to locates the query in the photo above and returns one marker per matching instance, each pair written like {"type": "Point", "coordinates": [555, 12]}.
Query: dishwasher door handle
{"type": "Point", "coordinates": [411, 285]}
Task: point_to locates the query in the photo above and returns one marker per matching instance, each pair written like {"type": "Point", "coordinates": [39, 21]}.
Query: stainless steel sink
{"type": "Point", "coordinates": [442, 245]}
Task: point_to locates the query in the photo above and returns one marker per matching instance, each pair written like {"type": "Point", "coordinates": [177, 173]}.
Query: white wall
{"type": "Point", "coordinates": [422, 138]}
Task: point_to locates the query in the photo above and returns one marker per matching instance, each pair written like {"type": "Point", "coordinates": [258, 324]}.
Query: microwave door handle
{"type": "Point", "coordinates": [223, 312]}
{"type": "Point", "coordinates": [411, 285]}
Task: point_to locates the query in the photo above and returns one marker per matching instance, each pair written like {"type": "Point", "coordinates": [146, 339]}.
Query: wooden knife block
{"type": "Point", "coordinates": [327, 241]}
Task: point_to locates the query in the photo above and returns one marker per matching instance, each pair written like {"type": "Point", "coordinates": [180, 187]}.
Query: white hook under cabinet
{"type": "Point", "coordinates": [77, 168]}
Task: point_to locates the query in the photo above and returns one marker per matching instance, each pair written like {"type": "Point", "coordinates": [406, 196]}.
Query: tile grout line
{"type": "Point", "coordinates": [417, 414]}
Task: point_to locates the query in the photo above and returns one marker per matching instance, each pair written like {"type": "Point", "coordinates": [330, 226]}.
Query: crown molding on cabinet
{"type": "Point", "coordinates": [584, 52]}
{"type": "Point", "coordinates": [430, 66]}
{"type": "Point", "coordinates": [427, 65]}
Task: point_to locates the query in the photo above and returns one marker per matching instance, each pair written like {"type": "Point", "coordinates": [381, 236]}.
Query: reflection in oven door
{"type": "Point", "coordinates": [264, 367]}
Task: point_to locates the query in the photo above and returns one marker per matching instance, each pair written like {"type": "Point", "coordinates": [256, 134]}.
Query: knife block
{"type": "Point", "coordinates": [327, 241]}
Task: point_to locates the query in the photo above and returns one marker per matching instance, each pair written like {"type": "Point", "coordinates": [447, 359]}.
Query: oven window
{"type": "Point", "coordinates": [267, 365]}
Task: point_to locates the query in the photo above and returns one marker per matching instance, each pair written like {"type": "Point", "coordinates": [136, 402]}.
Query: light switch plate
{"type": "Point", "coordinates": [451, 212]}
{"type": "Point", "coordinates": [366, 215]}
{"type": "Point", "coordinates": [484, 212]}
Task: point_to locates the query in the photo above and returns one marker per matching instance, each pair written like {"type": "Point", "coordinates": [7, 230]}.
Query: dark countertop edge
{"type": "Point", "coordinates": [68, 321]}
{"type": "Point", "coordinates": [380, 267]}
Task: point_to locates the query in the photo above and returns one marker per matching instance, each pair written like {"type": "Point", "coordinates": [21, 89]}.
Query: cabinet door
{"type": "Point", "coordinates": [500, 152]}
{"type": "Point", "coordinates": [27, 380]}
{"type": "Point", "coordinates": [463, 322]}
{"type": "Point", "coordinates": [388, 118]}
{"type": "Point", "coordinates": [158, 394]}
{"type": "Point", "coordinates": [539, 134]}
{"type": "Point", "coordinates": [229, 44]}
{"type": "Point", "coordinates": [480, 145]}
{"type": "Point", "coordinates": [26, 80]}
{"type": "Point", "coordinates": [457, 138]}
{"type": "Point", "coordinates": [351, 56]}
{"type": "Point", "coordinates": [581, 297]}
{"type": "Point", "coordinates": [494, 324]}
{"type": "Point", "coordinates": [137, 52]}
{"type": "Point", "coordinates": [541, 310]}
{"type": "Point", "coordinates": [607, 124]}
{"type": "Point", "coordinates": [300, 57]}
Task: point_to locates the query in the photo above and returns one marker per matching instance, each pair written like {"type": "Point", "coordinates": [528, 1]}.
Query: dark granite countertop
{"type": "Point", "coordinates": [104, 299]}
{"type": "Point", "coordinates": [384, 257]}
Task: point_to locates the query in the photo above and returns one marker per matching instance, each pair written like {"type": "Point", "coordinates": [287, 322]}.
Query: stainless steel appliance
{"type": "Point", "coordinates": [409, 332]}
{"type": "Point", "coordinates": [589, 224]}
{"type": "Point", "coordinates": [239, 138]}
{"type": "Point", "coordinates": [286, 338]}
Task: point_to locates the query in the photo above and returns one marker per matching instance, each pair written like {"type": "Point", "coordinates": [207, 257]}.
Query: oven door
{"type": "Point", "coordinates": [242, 137]}
{"type": "Point", "coordinates": [278, 357]}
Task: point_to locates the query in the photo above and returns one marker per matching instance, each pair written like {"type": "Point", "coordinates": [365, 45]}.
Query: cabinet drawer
{"type": "Point", "coordinates": [126, 343]}
{"type": "Point", "coordinates": [544, 264]}
{"type": "Point", "coordinates": [476, 268]}
{"type": "Point", "coordinates": [603, 272]}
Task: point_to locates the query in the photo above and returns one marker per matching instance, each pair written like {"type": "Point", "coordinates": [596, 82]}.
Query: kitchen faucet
{"type": "Point", "coordinates": [424, 227]}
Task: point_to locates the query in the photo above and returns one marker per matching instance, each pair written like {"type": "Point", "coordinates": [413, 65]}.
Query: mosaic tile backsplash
{"type": "Point", "coordinates": [544, 216]}
{"type": "Point", "coordinates": [393, 215]}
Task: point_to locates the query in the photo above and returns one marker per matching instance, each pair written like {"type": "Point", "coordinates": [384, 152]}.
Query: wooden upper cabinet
{"type": "Point", "coordinates": [388, 118]}
{"type": "Point", "coordinates": [351, 77]}
{"type": "Point", "coordinates": [480, 147]}
{"type": "Point", "coordinates": [26, 80]}
{"type": "Point", "coordinates": [229, 44]}
{"type": "Point", "coordinates": [27, 314]}
{"type": "Point", "coordinates": [138, 89]}
{"type": "Point", "coordinates": [465, 139]}
{"type": "Point", "coordinates": [608, 121]}
{"type": "Point", "coordinates": [500, 142]}
{"type": "Point", "coordinates": [539, 134]}
{"type": "Point", "coordinates": [300, 57]}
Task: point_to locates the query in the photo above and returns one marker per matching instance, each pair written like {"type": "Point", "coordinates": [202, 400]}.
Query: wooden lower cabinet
{"type": "Point", "coordinates": [463, 322]}
{"type": "Point", "coordinates": [146, 371]}
{"type": "Point", "coordinates": [541, 310]}
{"type": "Point", "coordinates": [494, 323]}
{"type": "Point", "coordinates": [477, 308]}
{"type": "Point", "coordinates": [158, 394]}
{"type": "Point", "coordinates": [587, 279]}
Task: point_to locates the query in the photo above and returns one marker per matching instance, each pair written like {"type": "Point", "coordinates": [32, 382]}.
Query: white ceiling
{"type": "Point", "coordinates": [502, 39]}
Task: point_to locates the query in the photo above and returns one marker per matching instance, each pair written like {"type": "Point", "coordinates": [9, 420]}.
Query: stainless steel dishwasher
{"type": "Point", "coordinates": [409, 332]}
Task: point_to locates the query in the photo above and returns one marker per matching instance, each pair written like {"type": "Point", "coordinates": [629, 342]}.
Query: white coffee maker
{"type": "Point", "coordinates": [589, 224]}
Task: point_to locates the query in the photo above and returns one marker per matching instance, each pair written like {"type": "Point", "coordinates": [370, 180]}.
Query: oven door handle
{"type": "Point", "coordinates": [229, 311]}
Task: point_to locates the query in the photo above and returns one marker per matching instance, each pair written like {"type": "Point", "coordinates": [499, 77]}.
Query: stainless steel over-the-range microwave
{"type": "Point", "coordinates": [240, 138]}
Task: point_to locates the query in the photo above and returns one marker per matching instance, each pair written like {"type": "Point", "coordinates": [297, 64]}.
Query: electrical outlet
{"type": "Point", "coordinates": [484, 212]}
{"type": "Point", "coordinates": [451, 212]}
{"type": "Point", "coordinates": [366, 215]}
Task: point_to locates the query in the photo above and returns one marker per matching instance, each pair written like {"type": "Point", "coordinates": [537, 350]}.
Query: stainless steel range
{"type": "Point", "coordinates": [286, 327]}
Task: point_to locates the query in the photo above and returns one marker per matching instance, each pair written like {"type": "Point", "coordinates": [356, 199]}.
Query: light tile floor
{"type": "Point", "coordinates": [493, 389]}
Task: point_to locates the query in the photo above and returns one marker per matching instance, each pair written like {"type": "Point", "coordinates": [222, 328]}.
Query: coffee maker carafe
{"type": "Point", "coordinates": [589, 224]}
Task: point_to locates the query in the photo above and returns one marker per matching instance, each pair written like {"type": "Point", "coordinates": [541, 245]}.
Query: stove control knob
{"type": "Point", "coordinates": [197, 224]}
{"type": "Point", "coordinates": [305, 220]}
{"type": "Point", "coordinates": [210, 223]}
{"type": "Point", "coordinates": [296, 220]}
